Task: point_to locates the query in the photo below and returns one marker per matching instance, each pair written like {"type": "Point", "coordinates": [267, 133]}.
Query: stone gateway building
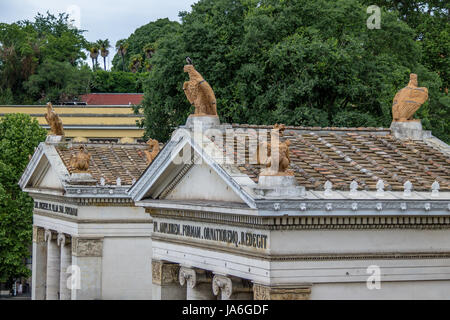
{"type": "Point", "coordinates": [89, 240]}
{"type": "Point", "coordinates": [246, 212]}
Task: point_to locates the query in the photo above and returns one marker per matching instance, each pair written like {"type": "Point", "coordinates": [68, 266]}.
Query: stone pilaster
{"type": "Point", "coordinates": [53, 266]}
{"type": "Point", "coordinates": [263, 292]}
{"type": "Point", "coordinates": [39, 266]}
{"type": "Point", "coordinates": [165, 281]}
{"type": "Point", "coordinates": [87, 256]}
{"type": "Point", "coordinates": [198, 283]}
{"type": "Point", "coordinates": [66, 261]}
{"type": "Point", "coordinates": [231, 288]}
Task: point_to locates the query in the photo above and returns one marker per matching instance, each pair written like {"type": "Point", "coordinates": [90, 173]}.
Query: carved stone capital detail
{"type": "Point", "coordinates": [63, 239]}
{"type": "Point", "coordinates": [193, 276]}
{"type": "Point", "coordinates": [38, 234]}
{"type": "Point", "coordinates": [48, 235]}
{"type": "Point", "coordinates": [187, 275]}
{"type": "Point", "coordinates": [222, 284]}
{"type": "Point", "coordinates": [263, 292]}
{"type": "Point", "coordinates": [87, 247]}
{"type": "Point", "coordinates": [164, 273]}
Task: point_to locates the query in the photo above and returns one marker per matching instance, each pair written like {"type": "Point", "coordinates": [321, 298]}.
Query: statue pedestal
{"type": "Point", "coordinates": [279, 186]}
{"type": "Point", "coordinates": [202, 122]}
{"type": "Point", "coordinates": [407, 129]}
{"type": "Point", "coordinates": [51, 139]}
{"type": "Point", "coordinates": [81, 178]}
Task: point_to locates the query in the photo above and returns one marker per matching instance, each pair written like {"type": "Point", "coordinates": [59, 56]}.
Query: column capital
{"type": "Point", "coordinates": [49, 235]}
{"type": "Point", "coordinates": [297, 292]}
{"type": "Point", "coordinates": [164, 272]}
{"type": "Point", "coordinates": [229, 285]}
{"type": "Point", "coordinates": [63, 239]}
{"type": "Point", "coordinates": [38, 234]}
{"type": "Point", "coordinates": [193, 276]}
{"type": "Point", "coordinates": [87, 247]}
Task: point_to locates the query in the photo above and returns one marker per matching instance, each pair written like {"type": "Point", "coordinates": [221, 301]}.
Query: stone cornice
{"type": "Point", "coordinates": [299, 222]}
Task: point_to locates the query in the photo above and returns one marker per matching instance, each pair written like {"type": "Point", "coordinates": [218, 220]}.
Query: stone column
{"type": "Point", "coordinates": [66, 261]}
{"type": "Point", "coordinates": [87, 259]}
{"type": "Point", "coordinates": [53, 266]}
{"type": "Point", "coordinates": [198, 283]}
{"type": "Point", "coordinates": [231, 288]}
{"type": "Point", "coordinates": [165, 281]}
{"type": "Point", "coordinates": [39, 267]}
{"type": "Point", "coordinates": [264, 292]}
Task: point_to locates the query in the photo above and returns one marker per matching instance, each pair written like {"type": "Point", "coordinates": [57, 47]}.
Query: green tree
{"type": "Point", "coordinates": [122, 47]}
{"type": "Point", "coordinates": [94, 51]}
{"type": "Point", "coordinates": [275, 61]}
{"type": "Point", "coordinates": [142, 37]}
{"type": "Point", "coordinates": [104, 45]}
{"type": "Point", "coordinates": [19, 136]}
{"type": "Point", "coordinates": [58, 82]}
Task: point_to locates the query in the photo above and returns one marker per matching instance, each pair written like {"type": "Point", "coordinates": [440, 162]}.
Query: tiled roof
{"type": "Point", "coordinates": [110, 161]}
{"type": "Point", "coordinates": [108, 99]}
{"type": "Point", "coordinates": [366, 155]}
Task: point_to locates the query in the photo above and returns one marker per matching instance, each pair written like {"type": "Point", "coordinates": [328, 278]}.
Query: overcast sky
{"type": "Point", "coordinates": [103, 19]}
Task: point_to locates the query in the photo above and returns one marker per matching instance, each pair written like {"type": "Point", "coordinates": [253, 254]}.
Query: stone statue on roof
{"type": "Point", "coordinates": [277, 160]}
{"type": "Point", "coordinates": [153, 150]}
{"type": "Point", "coordinates": [408, 100]}
{"type": "Point", "coordinates": [199, 92]}
{"type": "Point", "coordinates": [53, 120]}
{"type": "Point", "coordinates": [80, 161]}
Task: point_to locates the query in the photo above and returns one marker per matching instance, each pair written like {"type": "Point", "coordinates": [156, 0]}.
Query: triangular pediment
{"type": "Point", "coordinates": [201, 182]}
{"type": "Point", "coordinates": [45, 171]}
{"type": "Point", "coordinates": [199, 179]}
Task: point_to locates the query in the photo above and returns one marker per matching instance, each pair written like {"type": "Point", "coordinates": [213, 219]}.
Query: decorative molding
{"type": "Point", "coordinates": [38, 234]}
{"type": "Point", "coordinates": [263, 292]}
{"type": "Point", "coordinates": [164, 273]}
{"type": "Point", "coordinates": [303, 222]}
{"type": "Point", "coordinates": [87, 247]}
{"type": "Point", "coordinates": [49, 235]}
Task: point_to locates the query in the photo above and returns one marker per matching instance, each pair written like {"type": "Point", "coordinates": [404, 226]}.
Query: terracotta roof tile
{"type": "Point", "coordinates": [366, 155]}
{"type": "Point", "coordinates": [110, 161]}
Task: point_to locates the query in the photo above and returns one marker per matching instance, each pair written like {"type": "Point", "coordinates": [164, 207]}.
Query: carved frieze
{"type": "Point", "coordinates": [261, 292]}
{"type": "Point", "coordinates": [82, 247]}
{"type": "Point", "coordinates": [164, 273]}
{"type": "Point", "coordinates": [38, 234]}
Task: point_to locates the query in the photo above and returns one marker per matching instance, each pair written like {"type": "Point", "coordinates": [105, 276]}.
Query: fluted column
{"type": "Point", "coordinates": [66, 261]}
{"type": "Point", "coordinates": [53, 266]}
{"type": "Point", "coordinates": [39, 266]}
{"type": "Point", "coordinates": [165, 282]}
{"type": "Point", "coordinates": [231, 288]}
{"type": "Point", "coordinates": [198, 283]}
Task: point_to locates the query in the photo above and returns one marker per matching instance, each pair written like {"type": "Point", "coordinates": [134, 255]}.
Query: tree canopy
{"type": "Point", "coordinates": [298, 62]}
{"type": "Point", "coordinates": [19, 136]}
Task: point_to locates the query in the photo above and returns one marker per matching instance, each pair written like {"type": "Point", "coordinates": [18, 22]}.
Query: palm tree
{"type": "Point", "coordinates": [104, 46]}
{"type": "Point", "coordinates": [93, 49]}
{"type": "Point", "coordinates": [135, 63]}
{"type": "Point", "coordinates": [121, 47]}
{"type": "Point", "coordinates": [149, 50]}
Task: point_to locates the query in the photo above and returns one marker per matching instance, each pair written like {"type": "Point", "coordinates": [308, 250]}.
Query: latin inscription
{"type": "Point", "coordinates": [247, 239]}
{"type": "Point", "coordinates": [56, 208]}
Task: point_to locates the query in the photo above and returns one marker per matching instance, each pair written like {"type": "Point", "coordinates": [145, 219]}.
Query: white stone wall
{"type": "Point", "coordinates": [402, 290]}
{"type": "Point", "coordinates": [127, 268]}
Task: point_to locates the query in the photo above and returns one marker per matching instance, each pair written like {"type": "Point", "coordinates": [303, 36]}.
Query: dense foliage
{"type": "Point", "coordinates": [19, 136]}
{"type": "Point", "coordinates": [43, 61]}
{"type": "Point", "coordinates": [298, 62]}
{"type": "Point", "coordinates": [142, 43]}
